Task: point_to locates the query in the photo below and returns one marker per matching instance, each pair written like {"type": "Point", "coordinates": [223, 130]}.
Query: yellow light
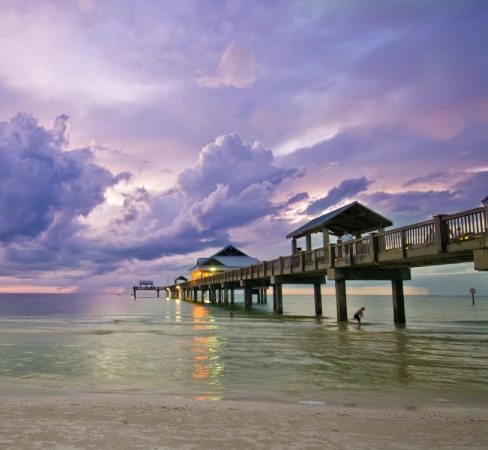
{"type": "Point", "coordinates": [212, 269]}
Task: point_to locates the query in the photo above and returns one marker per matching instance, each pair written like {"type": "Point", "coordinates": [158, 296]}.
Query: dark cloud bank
{"type": "Point", "coordinates": [45, 189]}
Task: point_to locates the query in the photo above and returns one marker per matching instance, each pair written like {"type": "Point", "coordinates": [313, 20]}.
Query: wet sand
{"type": "Point", "coordinates": [94, 423]}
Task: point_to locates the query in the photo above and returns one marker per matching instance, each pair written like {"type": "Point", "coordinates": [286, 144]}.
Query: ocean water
{"type": "Point", "coordinates": [156, 347]}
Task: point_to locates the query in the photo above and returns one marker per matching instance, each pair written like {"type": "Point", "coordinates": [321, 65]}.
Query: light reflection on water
{"type": "Point", "coordinates": [165, 347]}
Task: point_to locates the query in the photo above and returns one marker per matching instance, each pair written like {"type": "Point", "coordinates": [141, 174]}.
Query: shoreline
{"type": "Point", "coordinates": [107, 421]}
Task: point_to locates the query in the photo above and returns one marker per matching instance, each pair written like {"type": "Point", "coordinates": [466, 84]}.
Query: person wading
{"type": "Point", "coordinates": [358, 314]}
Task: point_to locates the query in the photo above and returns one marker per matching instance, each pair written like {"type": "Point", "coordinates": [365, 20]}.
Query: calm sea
{"type": "Point", "coordinates": [105, 344]}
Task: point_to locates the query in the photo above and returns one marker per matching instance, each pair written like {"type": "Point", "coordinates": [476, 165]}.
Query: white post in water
{"type": "Point", "coordinates": [472, 292]}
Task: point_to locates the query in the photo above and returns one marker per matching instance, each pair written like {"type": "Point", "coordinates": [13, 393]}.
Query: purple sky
{"type": "Point", "coordinates": [138, 136]}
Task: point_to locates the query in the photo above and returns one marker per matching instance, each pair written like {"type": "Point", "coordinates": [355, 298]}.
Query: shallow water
{"type": "Point", "coordinates": [92, 344]}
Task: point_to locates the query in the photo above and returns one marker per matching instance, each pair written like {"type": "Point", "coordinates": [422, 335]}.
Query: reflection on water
{"type": "Point", "coordinates": [206, 350]}
{"type": "Point", "coordinates": [168, 347]}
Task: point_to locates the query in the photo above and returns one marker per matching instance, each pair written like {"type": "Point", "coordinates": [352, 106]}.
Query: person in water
{"type": "Point", "coordinates": [231, 315]}
{"type": "Point", "coordinates": [359, 313]}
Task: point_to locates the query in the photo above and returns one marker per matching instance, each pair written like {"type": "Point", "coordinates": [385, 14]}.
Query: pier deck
{"type": "Point", "coordinates": [387, 255]}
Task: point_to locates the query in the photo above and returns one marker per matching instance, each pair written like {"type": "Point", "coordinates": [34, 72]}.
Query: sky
{"type": "Point", "coordinates": [137, 136]}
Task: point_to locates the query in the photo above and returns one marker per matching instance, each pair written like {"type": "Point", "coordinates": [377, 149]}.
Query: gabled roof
{"type": "Point", "coordinates": [180, 278]}
{"type": "Point", "coordinates": [229, 257]}
{"type": "Point", "coordinates": [209, 262]}
{"type": "Point", "coordinates": [355, 218]}
{"type": "Point", "coordinates": [230, 250]}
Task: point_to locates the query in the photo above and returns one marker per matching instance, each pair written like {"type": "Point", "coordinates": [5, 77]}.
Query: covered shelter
{"type": "Point", "coordinates": [228, 258]}
{"type": "Point", "coordinates": [356, 218]}
{"type": "Point", "coordinates": [181, 278]}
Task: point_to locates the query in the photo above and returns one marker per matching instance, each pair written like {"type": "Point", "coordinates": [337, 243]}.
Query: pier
{"type": "Point", "coordinates": [378, 255]}
{"type": "Point", "coordinates": [146, 285]}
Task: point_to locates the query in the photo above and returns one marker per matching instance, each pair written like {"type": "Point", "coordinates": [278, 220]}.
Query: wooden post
{"type": "Point", "coordinates": [403, 243]}
{"type": "Point", "coordinates": [373, 246]}
{"type": "Point", "coordinates": [220, 295]}
{"type": "Point", "coordinates": [226, 296]}
{"type": "Point", "coordinates": [331, 256]}
{"type": "Point", "coordinates": [247, 297]}
{"type": "Point", "coordinates": [232, 296]}
{"type": "Point", "coordinates": [265, 296]}
{"type": "Point", "coordinates": [441, 233]}
{"type": "Point", "coordinates": [279, 298]}
{"type": "Point", "coordinates": [308, 242]}
{"type": "Point", "coordinates": [325, 237]}
{"type": "Point", "coordinates": [317, 294]}
{"type": "Point", "coordinates": [275, 303]}
{"type": "Point", "coordinates": [341, 300]}
{"type": "Point", "coordinates": [293, 246]}
{"type": "Point", "coordinates": [398, 301]}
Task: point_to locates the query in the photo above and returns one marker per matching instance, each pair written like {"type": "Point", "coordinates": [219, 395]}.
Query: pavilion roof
{"type": "Point", "coordinates": [355, 218]}
{"type": "Point", "coordinates": [229, 257]}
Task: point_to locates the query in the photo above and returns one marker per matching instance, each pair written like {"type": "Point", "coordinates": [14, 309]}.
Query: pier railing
{"type": "Point", "coordinates": [401, 245]}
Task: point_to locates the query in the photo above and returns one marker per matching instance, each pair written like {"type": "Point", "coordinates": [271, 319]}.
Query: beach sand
{"type": "Point", "coordinates": [91, 423]}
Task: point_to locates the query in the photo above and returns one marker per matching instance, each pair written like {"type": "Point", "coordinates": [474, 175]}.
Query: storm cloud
{"type": "Point", "coordinates": [42, 183]}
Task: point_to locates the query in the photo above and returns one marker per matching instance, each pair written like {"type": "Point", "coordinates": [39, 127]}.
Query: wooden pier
{"type": "Point", "coordinates": [383, 255]}
{"type": "Point", "coordinates": [146, 285]}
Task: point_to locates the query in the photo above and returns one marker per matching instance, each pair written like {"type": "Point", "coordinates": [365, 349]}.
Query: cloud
{"type": "Point", "coordinates": [86, 6]}
{"type": "Point", "coordinates": [229, 162]}
{"type": "Point", "coordinates": [347, 189]}
{"type": "Point", "coordinates": [297, 198]}
{"type": "Point", "coordinates": [441, 175]}
{"type": "Point", "coordinates": [413, 206]}
{"type": "Point", "coordinates": [237, 67]}
{"type": "Point", "coordinates": [42, 184]}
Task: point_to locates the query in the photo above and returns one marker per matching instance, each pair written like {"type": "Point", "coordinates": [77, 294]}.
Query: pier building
{"type": "Point", "coordinates": [228, 258]}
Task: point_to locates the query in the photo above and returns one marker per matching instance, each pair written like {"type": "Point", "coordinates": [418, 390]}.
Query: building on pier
{"type": "Point", "coordinates": [228, 258]}
{"type": "Point", "coordinates": [356, 218]}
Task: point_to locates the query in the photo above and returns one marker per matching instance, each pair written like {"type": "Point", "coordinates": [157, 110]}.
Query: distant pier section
{"type": "Point", "coordinates": [146, 285]}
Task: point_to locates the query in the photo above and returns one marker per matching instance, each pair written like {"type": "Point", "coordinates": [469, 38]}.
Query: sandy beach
{"type": "Point", "coordinates": [74, 423]}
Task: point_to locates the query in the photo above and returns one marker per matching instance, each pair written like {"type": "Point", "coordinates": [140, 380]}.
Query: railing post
{"type": "Point", "coordinates": [281, 265]}
{"type": "Point", "coordinates": [403, 242]}
{"type": "Point", "coordinates": [374, 246]}
{"type": "Point", "coordinates": [441, 233]}
{"type": "Point", "coordinates": [302, 262]}
{"type": "Point", "coordinates": [331, 256]}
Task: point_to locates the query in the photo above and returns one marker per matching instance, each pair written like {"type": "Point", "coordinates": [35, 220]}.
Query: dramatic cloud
{"type": "Point", "coordinates": [236, 68]}
{"type": "Point", "coordinates": [229, 162]}
{"type": "Point", "coordinates": [42, 184]}
{"type": "Point", "coordinates": [346, 190]}
{"type": "Point", "coordinates": [338, 93]}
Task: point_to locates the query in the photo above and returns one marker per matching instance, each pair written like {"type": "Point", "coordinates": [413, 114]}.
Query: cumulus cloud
{"type": "Point", "coordinates": [43, 184]}
{"type": "Point", "coordinates": [237, 67]}
{"type": "Point", "coordinates": [230, 162]}
{"type": "Point", "coordinates": [347, 189]}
